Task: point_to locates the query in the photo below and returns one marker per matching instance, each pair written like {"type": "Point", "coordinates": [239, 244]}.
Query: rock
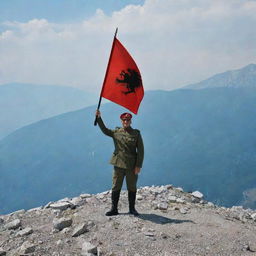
{"type": "Point", "coordinates": [35, 209]}
{"type": "Point", "coordinates": [244, 216]}
{"type": "Point", "coordinates": [61, 206]}
{"type": "Point", "coordinates": [19, 212]}
{"type": "Point", "coordinates": [218, 230]}
{"type": "Point", "coordinates": [13, 224]}
{"type": "Point", "coordinates": [62, 223]}
{"type": "Point", "coordinates": [66, 199]}
{"type": "Point", "coordinates": [176, 208]}
{"type": "Point", "coordinates": [162, 189]}
{"type": "Point", "coordinates": [59, 242]}
{"type": "Point", "coordinates": [48, 205]}
{"type": "Point", "coordinates": [172, 199]}
{"type": "Point", "coordinates": [180, 201]}
{"type": "Point", "coordinates": [79, 230]}
{"type": "Point", "coordinates": [89, 248]}
{"type": "Point", "coordinates": [25, 232]}
{"type": "Point", "coordinates": [183, 210]}
{"type": "Point", "coordinates": [169, 186]}
{"type": "Point", "coordinates": [139, 197]}
{"type": "Point", "coordinates": [150, 234]}
{"type": "Point", "coordinates": [251, 247]}
{"type": "Point", "coordinates": [26, 248]}
{"type": "Point", "coordinates": [164, 235]}
{"type": "Point", "coordinates": [147, 188]}
{"type": "Point", "coordinates": [77, 201]}
{"type": "Point", "coordinates": [236, 208]}
{"type": "Point", "coordinates": [158, 190]}
{"type": "Point", "coordinates": [253, 216]}
{"type": "Point", "coordinates": [2, 252]}
{"type": "Point", "coordinates": [100, 196]}
{"type": "Point", "coordinates": [162, 206]}
{"type": "Point", "coordinates": [197, 194]}
{"type": "Point", "coordinates": [65, 230]}
{"type": "Point", "coordinates": [90, 224]}
{"type": "Point", "coordinates": [195, 200]}
{"type": "Point", "coordinates": [85, 195]}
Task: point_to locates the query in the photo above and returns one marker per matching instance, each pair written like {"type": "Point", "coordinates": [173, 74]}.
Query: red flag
{"type": "Point", "coordinates": [123, 83]}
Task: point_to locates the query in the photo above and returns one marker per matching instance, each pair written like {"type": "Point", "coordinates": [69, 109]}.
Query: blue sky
{"type": "Point", "coordinates": [174, 42]}
{"type": "Point", "coordinates": [58, 10]}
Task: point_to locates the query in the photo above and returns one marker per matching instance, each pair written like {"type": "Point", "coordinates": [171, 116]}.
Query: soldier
{"type": "Point", "coordinates": [127, 160]}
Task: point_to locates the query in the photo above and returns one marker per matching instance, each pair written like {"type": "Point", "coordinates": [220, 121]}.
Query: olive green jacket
{"type": "Point", "coordinates": [129, 149]}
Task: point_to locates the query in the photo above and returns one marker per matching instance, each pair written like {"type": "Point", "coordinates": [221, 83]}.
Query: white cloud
{"type": "Point", "coordinates": [174, 43]}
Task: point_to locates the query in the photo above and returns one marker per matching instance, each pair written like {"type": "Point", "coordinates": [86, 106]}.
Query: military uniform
{"type": "Point", "coordinates": [128, 154]}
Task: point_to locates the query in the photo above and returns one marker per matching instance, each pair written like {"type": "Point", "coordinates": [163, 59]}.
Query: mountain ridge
{"type": "Point", "coordinates": [23, 104]}
{"type": "Point", "coordinates": [244, 77]}
{"type": "Point", "coordinates": [202, 134]}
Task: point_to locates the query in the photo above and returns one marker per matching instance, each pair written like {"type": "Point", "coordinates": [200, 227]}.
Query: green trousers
{"type": "Point", "coordinates": [118, 178]}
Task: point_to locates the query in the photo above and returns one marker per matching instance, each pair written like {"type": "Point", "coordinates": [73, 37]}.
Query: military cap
{"type": "Point", "coordinates": [127, 116]}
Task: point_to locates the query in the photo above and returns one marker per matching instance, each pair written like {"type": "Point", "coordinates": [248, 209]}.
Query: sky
{"type": "Point", "coordinates": [174, 42]}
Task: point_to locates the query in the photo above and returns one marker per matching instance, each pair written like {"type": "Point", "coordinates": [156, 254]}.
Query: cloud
{"type": "Point", "coordinates": [173, 42]}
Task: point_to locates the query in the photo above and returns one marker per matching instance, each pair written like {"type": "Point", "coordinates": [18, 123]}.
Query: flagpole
{"type": "Point", "coordinates": [95, 121]}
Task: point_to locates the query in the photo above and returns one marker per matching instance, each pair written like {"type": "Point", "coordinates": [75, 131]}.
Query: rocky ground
{"type": "Point", "coordinates": [171, 222]}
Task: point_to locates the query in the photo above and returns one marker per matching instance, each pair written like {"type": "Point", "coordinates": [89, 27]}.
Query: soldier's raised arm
{"type": "Point", "coordinates": [102, 126]}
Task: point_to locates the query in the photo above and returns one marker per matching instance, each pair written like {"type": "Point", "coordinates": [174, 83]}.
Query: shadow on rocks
{"type": "Point", "coordinates": [158, 219]}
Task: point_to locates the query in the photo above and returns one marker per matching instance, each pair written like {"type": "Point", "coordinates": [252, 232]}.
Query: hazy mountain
{"type": "Point", "coordinates": [240, 78]}
{"type": "Point", "coordinates": [198, 139]}
{"type": "Point", "coordinates": [23, 104]}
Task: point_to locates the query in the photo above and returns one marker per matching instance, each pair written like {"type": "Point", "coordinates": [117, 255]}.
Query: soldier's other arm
{"type": "Point", "coordinates": [102, 126]}
{"type": "Point", "coordinates": [140, 154]}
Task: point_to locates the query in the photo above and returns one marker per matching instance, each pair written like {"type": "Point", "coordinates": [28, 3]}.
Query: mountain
{"type": "Point", "coordinates": [23, 104]}
{"type": "Point", "coordinates": [240, 78]}
{"type": "Point", "coordinates": [171, 222]}
{"type": "Point", "coordinates": [198, 139]}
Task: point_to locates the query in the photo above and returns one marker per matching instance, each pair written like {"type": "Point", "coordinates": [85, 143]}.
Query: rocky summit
{"type": "Point", "coordinates": [171, 222]}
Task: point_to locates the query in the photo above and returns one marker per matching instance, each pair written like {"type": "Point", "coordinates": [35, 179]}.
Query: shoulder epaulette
{"type": "Point", "coordinates": [117, 128]}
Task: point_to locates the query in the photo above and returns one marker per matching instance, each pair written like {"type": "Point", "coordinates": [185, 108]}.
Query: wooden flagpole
{"type": "Point", "coordinates": [95, 122]}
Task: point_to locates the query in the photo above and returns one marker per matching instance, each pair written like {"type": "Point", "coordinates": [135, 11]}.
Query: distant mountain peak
{"type": "Point", "coordinates": [250, 67]}
{"type": "Point", "coordinates": [238, 78]}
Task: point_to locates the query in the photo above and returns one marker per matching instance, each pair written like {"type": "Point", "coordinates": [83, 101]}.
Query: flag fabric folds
{"type": "Point", "coordinates": [123, 83]}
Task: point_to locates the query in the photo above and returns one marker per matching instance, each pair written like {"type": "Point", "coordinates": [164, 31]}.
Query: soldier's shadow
{"type": "Point", "coordinates": [158, 219]}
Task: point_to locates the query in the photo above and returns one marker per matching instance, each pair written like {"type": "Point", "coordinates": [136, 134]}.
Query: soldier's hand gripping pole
{"type": "Point", "coordinates": [98, 108]}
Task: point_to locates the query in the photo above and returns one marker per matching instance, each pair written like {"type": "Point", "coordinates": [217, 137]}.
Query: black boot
{"type": "Point", "coordinates": [132, 198]}
{"type": "Point", "coordinates": [114, 198]}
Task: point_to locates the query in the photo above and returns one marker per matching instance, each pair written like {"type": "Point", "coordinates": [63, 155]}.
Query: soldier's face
{"type": "Point", "coordinates": [126, 123]}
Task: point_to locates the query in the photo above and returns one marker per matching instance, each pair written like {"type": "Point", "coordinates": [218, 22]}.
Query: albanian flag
{"type": "Point", "coordinates": [122, 83]}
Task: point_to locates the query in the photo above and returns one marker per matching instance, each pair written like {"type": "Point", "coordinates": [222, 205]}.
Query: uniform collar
{"type": "Point", "coordinates": [129, 129]}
